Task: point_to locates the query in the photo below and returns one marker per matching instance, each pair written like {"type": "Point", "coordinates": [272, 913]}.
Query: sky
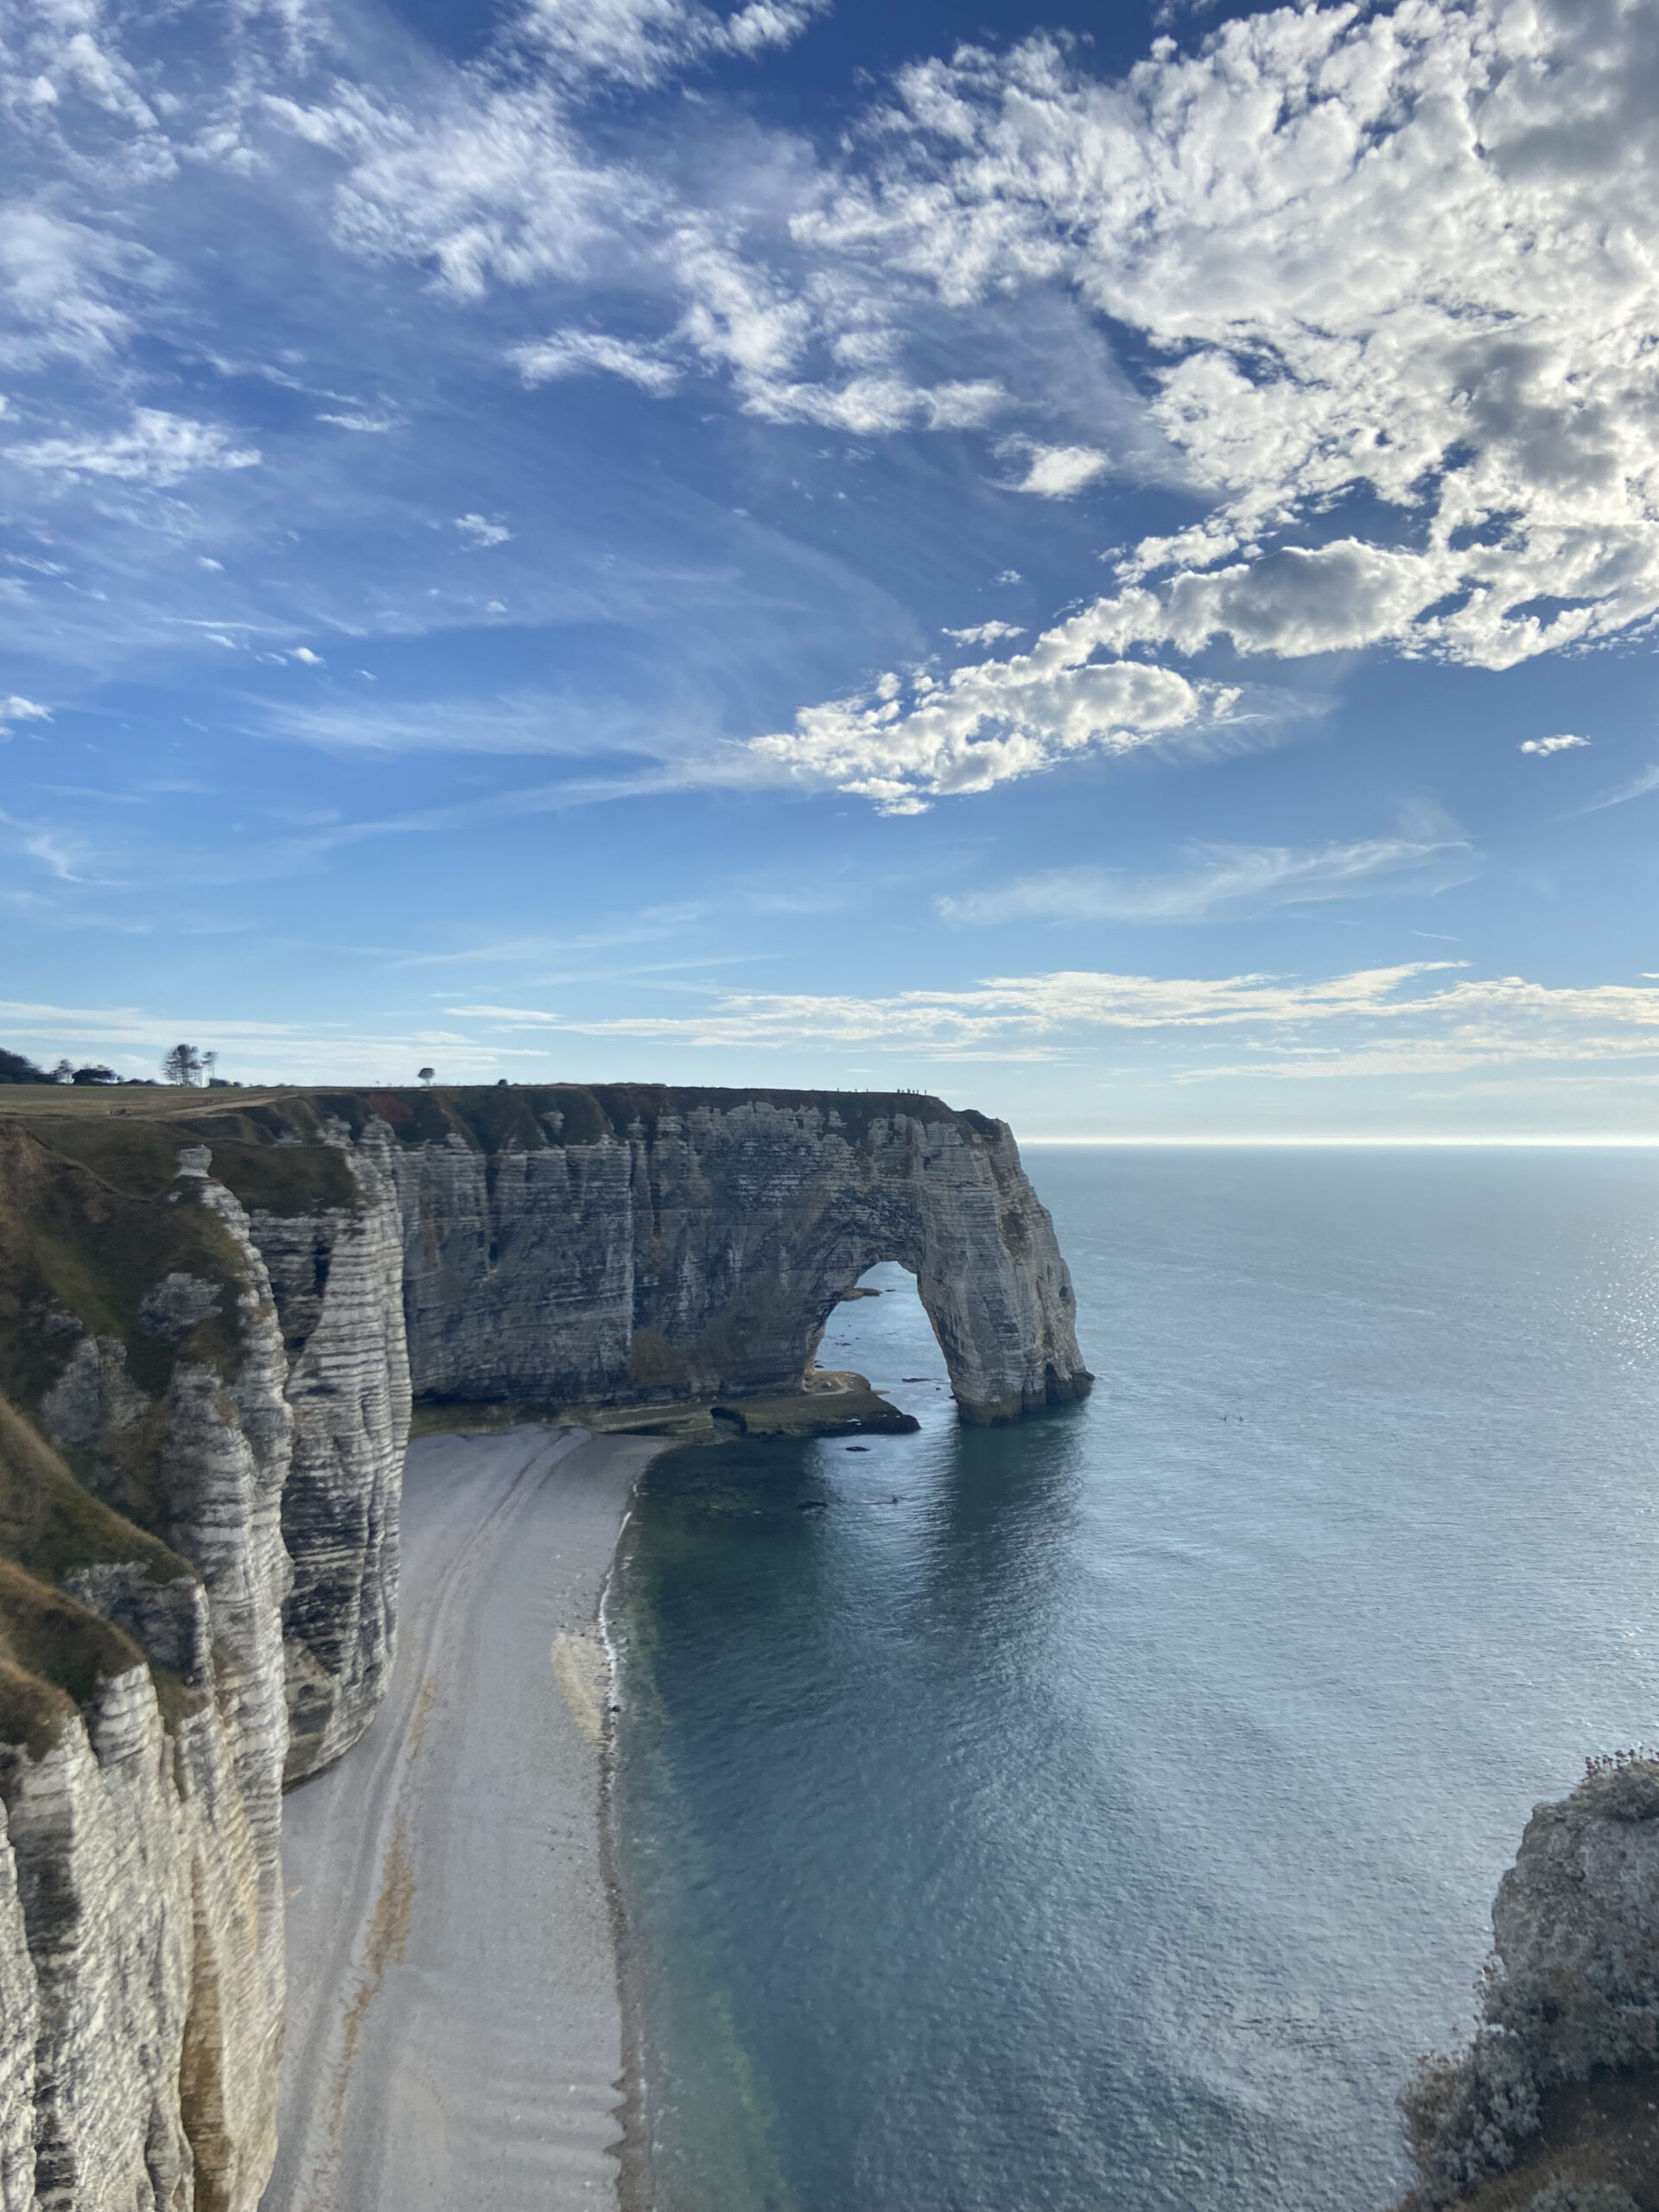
{"type": "Point", "coordinates": [1099, 561]}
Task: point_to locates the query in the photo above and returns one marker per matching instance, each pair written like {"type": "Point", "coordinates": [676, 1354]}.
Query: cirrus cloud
{"type": "Point", "coordinates": [156, 449]}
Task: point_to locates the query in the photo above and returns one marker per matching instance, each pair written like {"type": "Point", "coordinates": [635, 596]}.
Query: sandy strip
{"type": "Point", "coordinates": [454, 2034]}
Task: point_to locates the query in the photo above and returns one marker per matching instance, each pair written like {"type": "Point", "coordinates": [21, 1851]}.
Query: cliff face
{"type": "Point", "coordinates": [141, 1686]}
{"type": "Point", "coordinates": [209, 1328]}
{"type": "Point", "coordinates": [639, 1244]}
{"type": "Point", "coordinates": [336, 1275]}
{"type": "Point", "coordinates": [1573, 1992]}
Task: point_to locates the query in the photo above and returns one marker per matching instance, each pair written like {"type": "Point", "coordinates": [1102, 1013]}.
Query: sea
{"type": "Point", "coordinates": [1102, 1814]}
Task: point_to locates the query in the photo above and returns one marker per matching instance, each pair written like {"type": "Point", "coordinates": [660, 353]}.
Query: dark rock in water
{"type": "Point", "coordinates": [813, 1505]}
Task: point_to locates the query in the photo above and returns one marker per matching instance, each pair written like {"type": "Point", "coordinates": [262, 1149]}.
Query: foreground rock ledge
{"type": "Point", "coordinates": [212, 1313]}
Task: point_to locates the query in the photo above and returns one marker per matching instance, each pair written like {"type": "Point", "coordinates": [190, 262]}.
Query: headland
{"type": "Point", "coordinates": [217, 1314]}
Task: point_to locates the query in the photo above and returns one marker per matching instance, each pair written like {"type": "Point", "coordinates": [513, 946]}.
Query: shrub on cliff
{"type": "Point", "coordinates": [1466, 2116]}
{"type": "Point", "coordinates": [1572, 1991]}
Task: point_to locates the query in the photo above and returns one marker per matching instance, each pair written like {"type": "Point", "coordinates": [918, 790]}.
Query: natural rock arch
{"type": "Point", "coordinates": [695, 1244]}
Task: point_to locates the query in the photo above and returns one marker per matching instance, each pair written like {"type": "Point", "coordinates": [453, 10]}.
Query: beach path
{"type": "Point", "coordinates": [454, 2028]}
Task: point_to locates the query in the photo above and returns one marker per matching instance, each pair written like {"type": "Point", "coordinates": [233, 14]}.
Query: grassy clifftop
{"type": "Point", "coordinates": [132, 1135]}
{"type": "Point", "coordinates": [53, 1652]}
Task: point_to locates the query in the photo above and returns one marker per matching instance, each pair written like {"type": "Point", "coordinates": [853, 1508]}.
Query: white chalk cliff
{"type": "Point", "coordinates": [209, 1333]}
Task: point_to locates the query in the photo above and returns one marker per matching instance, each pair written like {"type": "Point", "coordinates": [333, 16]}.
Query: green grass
{"type": "Point", "coordinates": [140, 1158]}
{"type": "Point", "coordinates": [49, 1524]}
{"type": "Point", "coordinates": [53, 1652]}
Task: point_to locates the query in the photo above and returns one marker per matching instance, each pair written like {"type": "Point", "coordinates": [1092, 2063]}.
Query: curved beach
{"type": "Point", "coordinates": [454, 2027]}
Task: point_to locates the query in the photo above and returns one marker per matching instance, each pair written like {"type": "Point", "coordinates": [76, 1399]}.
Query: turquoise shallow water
{"type": "Point", "coordinates": [1100, 1815]}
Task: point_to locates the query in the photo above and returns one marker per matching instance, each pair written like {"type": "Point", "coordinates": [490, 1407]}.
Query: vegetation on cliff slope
{"type": "Point", "coordinates": [1560, 2082]}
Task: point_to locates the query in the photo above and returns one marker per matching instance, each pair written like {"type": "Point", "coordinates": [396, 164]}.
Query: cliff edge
{"type": "Point", "coordinates": [213, 1316]}
{"type": "Point", "coordinates": [1557, 2097]}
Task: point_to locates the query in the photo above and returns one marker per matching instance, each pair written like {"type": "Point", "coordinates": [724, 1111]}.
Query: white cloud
{"type": "Point", "coordinates": [1004, 1009]}
{"type": "Point", "coordinates": [985, 633]}
{"type": "Point", "coordinates": [56, 280]}
{"type": "Point", "coordinates": [1056, 471]}
{"type": "Point", "coordinates": [16, 709]}
{"type": "Point", "coordinates": [156, 449]}
{"type": "Point", "coordinates": [1638, 787]}
{"type": "Point", "coordinates": [1225, 878]}
{"type": "Point", "coordinates": [905, 744]}
{"type": "Point", "coordinates": [304, 653]}
{"type": "Point", "coordinates": [1545, 744]}
{"type": "Point", "coordinates": [375, 425]}
{"type": "Point", "coordinates": [1398, 1022]}
{"type": "Point", "coordinates": [575, 353]}
{"type": "Point", "coordinates": [250, 1051]}
{"type": "Point", "coordinates": [480, 533]}
{"type": "Point", "coordinates": [1390, 259]}
{"type": "Point", "coordinates": [640, 41]}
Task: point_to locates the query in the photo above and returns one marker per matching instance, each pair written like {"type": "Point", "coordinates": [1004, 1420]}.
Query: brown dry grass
{"type": "Point", "coordinates": [1603, 2131]}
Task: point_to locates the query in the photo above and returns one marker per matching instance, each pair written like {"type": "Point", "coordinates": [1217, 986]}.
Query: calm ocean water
{"type": "Point", "coordinates": [1100, 1815]}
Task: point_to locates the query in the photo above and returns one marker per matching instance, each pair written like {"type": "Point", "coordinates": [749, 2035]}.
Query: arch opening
{"type": "Point", "coordinates": [879, 1332]}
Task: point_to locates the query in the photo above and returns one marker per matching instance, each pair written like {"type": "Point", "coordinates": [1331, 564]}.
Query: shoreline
{"type": "Point", "coordinates": [461, 2022]}
{"type": "Point", "coordinates": [630, 2150]}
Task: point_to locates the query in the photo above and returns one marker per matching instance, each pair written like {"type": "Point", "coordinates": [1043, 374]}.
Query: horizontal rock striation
{"type": "Point", "coordinates": [337, 1277]}
{"type": "Point", "coordinates": [210, 1328]}
{"type": "Point", "coordinates": [643, 1245]}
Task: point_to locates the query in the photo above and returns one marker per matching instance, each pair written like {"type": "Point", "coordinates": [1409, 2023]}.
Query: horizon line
{"type": "Point", "coordinates": [1357, 1143]}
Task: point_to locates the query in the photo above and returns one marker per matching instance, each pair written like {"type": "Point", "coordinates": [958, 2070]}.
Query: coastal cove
{"type": "Point", "coordinates": [218, 1319]}
{"type": "Point", "coordinates": [1109, 1809]}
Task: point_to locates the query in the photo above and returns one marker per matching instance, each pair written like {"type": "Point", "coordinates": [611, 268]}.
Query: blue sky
{"type": "Point", "coordinates": [1102, 562]}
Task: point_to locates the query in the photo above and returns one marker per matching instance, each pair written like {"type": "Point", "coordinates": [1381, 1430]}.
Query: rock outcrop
{"type": "Point", "coordinates": [1573, 1987]}
{"type": "Point", "coordinates": [209, 1332]}
{"type": "Point", "coordinates": [648, 1245]}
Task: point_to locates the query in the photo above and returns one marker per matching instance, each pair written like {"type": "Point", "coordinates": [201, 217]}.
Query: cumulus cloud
{"type": "Point", "coordinates": [577, 353]}
{"type": "Point", "coordinates": [986, 633]}
{"type": "Point", "coordinates": [1384, 276]}
{"type": "Point", "coordinates": [156, 449]}
{"type": "Point", "coordinates": [908, 742]}
{"type": "Point", "coordinates": [1225, 878]}
{"type": "Point", "coordinates": [1389, 258]}
{"type": "Point", "coordinates": [1056, 471]}
{"type": "Point", "coordinates": [1546, 745]}
{"type": "Point", "coordinates": [481, 532]}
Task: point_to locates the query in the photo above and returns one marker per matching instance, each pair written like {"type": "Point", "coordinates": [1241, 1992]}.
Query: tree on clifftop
{"type": "Point", "coordinates": [183, 1065]}
{"type": "Point", "coordinates": [427, 1074]}
{"type": "Point", "coordinates": [13, 1068]}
